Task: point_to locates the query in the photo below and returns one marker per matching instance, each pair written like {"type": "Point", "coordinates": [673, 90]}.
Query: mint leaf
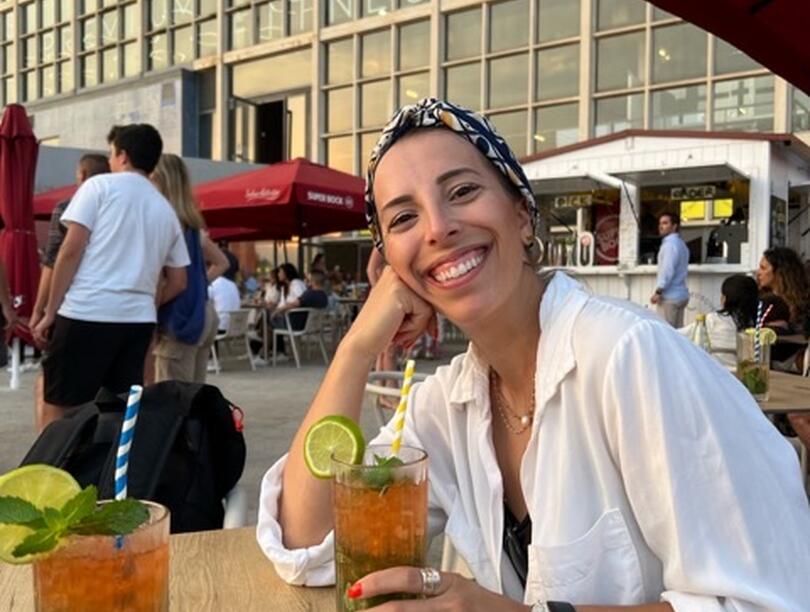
{"type": "Point", "coordinates": [381, 475]}
{"type": "Point", "coordinates": [54, 520]}
{"type": "Point", "coordinates": [17, 511]}
{"type": "Point", "coordinates": [113, 518]}
{"type": "Point", "coordinates": [80, 506]}
{"type": "Point", "coordinates": [40, 541]}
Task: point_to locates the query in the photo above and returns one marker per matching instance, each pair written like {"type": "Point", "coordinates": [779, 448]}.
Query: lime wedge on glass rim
{"type": "Point", "coordinates": [44, 486]}
{"type": "Point", "coordinates": [766, 334]}
{"type": "Point", "coordinates": [334, 434]}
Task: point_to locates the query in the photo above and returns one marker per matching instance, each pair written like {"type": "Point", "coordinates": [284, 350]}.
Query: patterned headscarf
{"type": "Point", "coordinates": [433, 113]}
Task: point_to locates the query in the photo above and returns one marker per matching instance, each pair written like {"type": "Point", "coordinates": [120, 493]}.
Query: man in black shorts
{"type": "Point", "coordinates": [121, 234]}
{"type": "Point", "coordinates": [89, 165]}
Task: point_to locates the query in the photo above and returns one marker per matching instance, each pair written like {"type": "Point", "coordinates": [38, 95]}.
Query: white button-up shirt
{"type": "Point", "coordinates": [650, 474]}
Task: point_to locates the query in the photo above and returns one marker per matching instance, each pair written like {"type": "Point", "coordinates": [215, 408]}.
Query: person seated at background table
{"type": "Point", "coordinates": [291, 286]}
{"type": "Point", "coordinates": [225, 293]}
{"type": "Point", "coordinates": [581, 450]}
{"type": "Point", "coordinates": [783, 284]}
{"type": "Point", "coordinates": [313, 296]}
{"type": "Point", "coordinates": [738, 301]}
{"type": "Point", "coordinates": [271, 293]}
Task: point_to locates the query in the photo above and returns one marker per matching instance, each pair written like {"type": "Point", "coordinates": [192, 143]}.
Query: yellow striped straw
{"type": "Point", "coordinates": [399, 416]}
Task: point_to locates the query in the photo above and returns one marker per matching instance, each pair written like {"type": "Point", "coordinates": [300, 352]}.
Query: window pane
{"type": "Point", "coordinates": [679, 52]}
{"type": "Point", "coordinates": [182, 11]}
{"type": "Point", "coordinates": [109, 27]}
{"type": "Point", "coordinates": [240, 29]}
{"type": "Point", "coordinates": [509, 27]}
{"type": "Point", "coordinates": [339, 61]}
{"type": "Point", "coordinates": [158, 14]}
{"type": "Point", "coordinates": [620, 113]}
{"type": "Point", "coordinates": [158, 56]}
{"type": "Point", "coordinates": [132, 60]}
{"type": "Point", "coordinates": [620, 62]}
{"type": "Point", "coordinates": [512, 126]}
{"type": "Point", "coordinates": [271, 20]}
{"type": "Point", "coordinates": [340, 154]}
{"type": "Point", "coordinates": [66, 77]}
{"type": "Point", "coordinates": [10, 87]}
{"type": "Point", "coordinates": [183, 46]}
{"type": "Point", "coordinates": [339, 11]}
{"type": "Point", "coordinates": [48, 81]}
{"type": "Point", "coordinates": [367, 143]}
{"type": "Point", "coordinates": [463, 84]}
{"type": "Point", "coordinates": [660, 14]}
{"type": "Point", "coordinates": [8, 19]}
{"type": "Point", "coordinates": [728, 58]}
{"type": "Point", "coordinates": [29, 15]}
{"type": "Point", "coordinates": [618, 13]}
{"type": "Point", "coordinates": [290, 70]}
{"type": "Point", "coordinates": [463, 34]}
{"type": "Point", "coordinates": [414, 45]}
{"type": "Point", "coordinates": [132, 23]}
{"type": "Point", "coordinates": [207, 7]}
{"type": "Point", "coordinates": [555, 126]}
{"type": "Point", "coordinates": [48, 19]}
{"type": "Point", "coordinates": [88, 33]}
{"type": "Point", "coordinates": [89, 70]}
{"type": "Point", "coordinates": [300, 16]}
{"type": "Point", "coordinates": [557, 19]}
{"type": "Point", "coordinates": [376, 53]}
{"type": "Point", "coordinates": [65, 10]}
{"type": "Point", "coordinates": [801, 111]}
{"type": "Point", "coordinates": [109, 65]}
{"type": "Point", "coordinates": [375, 7]}
{"type": "Point", "coordinates": [508, 80]}
{"type": "Point", "coordinates": [31, 89]}
{"type": "Point", "coordinates": [87, 6]}
{"type": "Point", "coordinates": [557, 72]}
{"type": "Point", "coordinates": [30, 52]}
{"type": "Point", "coordinates": [207, 38]}
{"type": "Point", "coordinates": [47, 48]}
{"type": "Point", "coordinates": [339, 110]}
{"type": "Point", "coordinates": [374, 109]}
{"type": "Point", "coordinates": [680, 108]}
{"type": "Point", "coordinates": [65, 41]}
{"type": "Point", "coordinates": [413, 87]}
{"type": "Point", "coordinates": [744, 104]}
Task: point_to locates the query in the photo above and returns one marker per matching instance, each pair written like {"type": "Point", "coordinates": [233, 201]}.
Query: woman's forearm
{"type": "Point", "coordinates": [340, 393]}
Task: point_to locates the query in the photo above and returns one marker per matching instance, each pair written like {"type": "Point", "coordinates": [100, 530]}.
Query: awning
{"type": "Point", "coordinates": [685, 175]}
{"type": "Point", "coordinates": [577, 183]}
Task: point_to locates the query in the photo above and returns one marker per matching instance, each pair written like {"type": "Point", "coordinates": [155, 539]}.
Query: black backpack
{"type": "Point", "coordinates": [188, 450]}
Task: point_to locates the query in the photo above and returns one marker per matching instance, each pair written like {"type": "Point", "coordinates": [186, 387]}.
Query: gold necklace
{"type": "Point", "coordinates": [507, 415]}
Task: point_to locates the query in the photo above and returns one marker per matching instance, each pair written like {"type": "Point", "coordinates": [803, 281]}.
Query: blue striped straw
{"type": "Point", "coordinates": [757, 349]}
{"type": "Point", "coordinates": [125, 441]}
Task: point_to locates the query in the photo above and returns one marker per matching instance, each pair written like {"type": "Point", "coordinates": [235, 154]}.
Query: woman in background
{"type": "Point", "coordinates": [187, 324]}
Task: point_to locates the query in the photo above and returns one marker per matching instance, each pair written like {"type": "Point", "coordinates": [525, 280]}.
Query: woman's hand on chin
{"type": "Point", "coordinates": [454, 594]}
{"type": "Point", "coordinates": [392, 313]}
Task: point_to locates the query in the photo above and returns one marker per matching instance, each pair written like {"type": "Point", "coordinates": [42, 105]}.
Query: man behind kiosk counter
{"type": "Point", "coordinates": [671, 294]}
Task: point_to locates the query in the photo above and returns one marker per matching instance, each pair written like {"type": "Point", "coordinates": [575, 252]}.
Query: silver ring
{"type": "Point", "coordinates": [431, 581]}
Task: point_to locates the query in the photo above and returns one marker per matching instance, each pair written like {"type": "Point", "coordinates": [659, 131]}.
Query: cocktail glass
{"type": "Point", "coordinates": [753, 369]}
{"type": "Point", "coordinates": [380, 519]}
{"type": "Point", "coordinates": [107, 572]}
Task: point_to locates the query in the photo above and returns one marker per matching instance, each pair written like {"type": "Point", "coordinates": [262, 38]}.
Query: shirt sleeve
{"type": "Point", "coordinates": [666, 265]}
{"type": "Point", "coordinates": [84, 205]}
{"type": "Point", "coordinates": [715, 489]}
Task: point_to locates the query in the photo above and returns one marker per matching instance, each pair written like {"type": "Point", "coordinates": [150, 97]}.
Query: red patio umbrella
{"type": "Point", "coordinates": [239, 234]}
{"type": "Point", "coordinates": [18, 245]}
{"type": "Point", "coordinates": [293, 198]}
{"type": "Point", "coordinates": [773, 32]}
{"type": "Point", "coordinates": [45, 202]}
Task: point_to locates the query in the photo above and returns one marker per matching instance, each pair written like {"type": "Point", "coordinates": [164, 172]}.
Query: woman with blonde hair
{"type": "Point", "coordinates": [187, 325]}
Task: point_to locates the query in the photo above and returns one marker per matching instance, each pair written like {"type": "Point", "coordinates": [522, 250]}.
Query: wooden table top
{"type": "Point", "coordinates": [788, 393]}
{"type": "Point", "coordinates": [210, 570]}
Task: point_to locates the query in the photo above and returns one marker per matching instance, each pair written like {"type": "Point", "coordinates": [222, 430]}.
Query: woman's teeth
{"type": "Point", "coordinates": [459, 270]}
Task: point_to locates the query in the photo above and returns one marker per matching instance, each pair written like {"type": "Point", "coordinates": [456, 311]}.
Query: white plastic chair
{"type": "Point", "coordinates": [312, 328]}
{"type": "Point", "coordinates": [236, 334]}
{"type": "Point", "coordinates": [235, 504]}
{"type": "Point", "coordinates": [378, 390]}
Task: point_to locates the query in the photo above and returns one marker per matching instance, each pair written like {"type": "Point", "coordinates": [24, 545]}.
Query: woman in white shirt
{"type": "Point", "coordinates": [292, 287]}
{"type": "Point", "coordinates": [635, 470]}
{"type": "Point", "coordinates": [738, 300]}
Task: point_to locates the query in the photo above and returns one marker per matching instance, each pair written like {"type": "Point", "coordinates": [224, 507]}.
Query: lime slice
{"type": "Point", "coordinates": [334, 434]}
{"type": "Point", "coordinates": [43, 486]}
{"type": "Point", "coordinates": [766, 334]}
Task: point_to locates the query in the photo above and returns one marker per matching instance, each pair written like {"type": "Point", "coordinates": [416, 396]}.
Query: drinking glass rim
{"type": "Point", "coordinates": [387, 447]}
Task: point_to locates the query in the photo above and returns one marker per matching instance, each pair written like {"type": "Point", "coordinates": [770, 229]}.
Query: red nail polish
{"type": "Point", "coordinates": [355, 591]}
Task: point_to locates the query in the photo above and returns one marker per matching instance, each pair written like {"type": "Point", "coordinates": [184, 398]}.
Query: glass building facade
{"type": "Point", "coordinates": [277, 79]}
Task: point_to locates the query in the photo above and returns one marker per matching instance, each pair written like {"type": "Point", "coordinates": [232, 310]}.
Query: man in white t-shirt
{"type": "Point", "coordinates": [122, 234]}
{"type": "Point", "coordinates": [225, 295]}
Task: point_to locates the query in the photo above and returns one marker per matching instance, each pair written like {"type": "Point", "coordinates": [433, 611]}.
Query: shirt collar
{"type": "Point", "coordinates": [561, 303]}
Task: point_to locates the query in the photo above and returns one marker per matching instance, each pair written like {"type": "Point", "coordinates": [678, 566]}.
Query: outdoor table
{"type": "Point", "coordinates": [265, 319]}
{"type": "Point", "coordinates": [210, 570]}
{"type": "Point", "coordinates": [788, 393]}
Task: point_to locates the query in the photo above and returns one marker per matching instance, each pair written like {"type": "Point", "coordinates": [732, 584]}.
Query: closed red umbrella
{"type": "Point", "coordinates": [45, 202]}
{"type": "Point", "coordinates": [240, 234]}
{"type": "Point", "coordinates": [294, 198]}
{"type": "Point", "coordinates": [773, 32]}
{"type": "Point", "coordinates": [18, 245]}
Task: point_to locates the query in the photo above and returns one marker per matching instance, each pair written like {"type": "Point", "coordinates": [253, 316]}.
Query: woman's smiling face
{"type": "Point", "coordinates": [451, 228]}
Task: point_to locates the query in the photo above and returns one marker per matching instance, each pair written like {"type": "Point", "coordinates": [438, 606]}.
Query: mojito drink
{"type": "Point", "coordinates": [380, 511]}
{"type": "Point", "coordinates": [753, 366]}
